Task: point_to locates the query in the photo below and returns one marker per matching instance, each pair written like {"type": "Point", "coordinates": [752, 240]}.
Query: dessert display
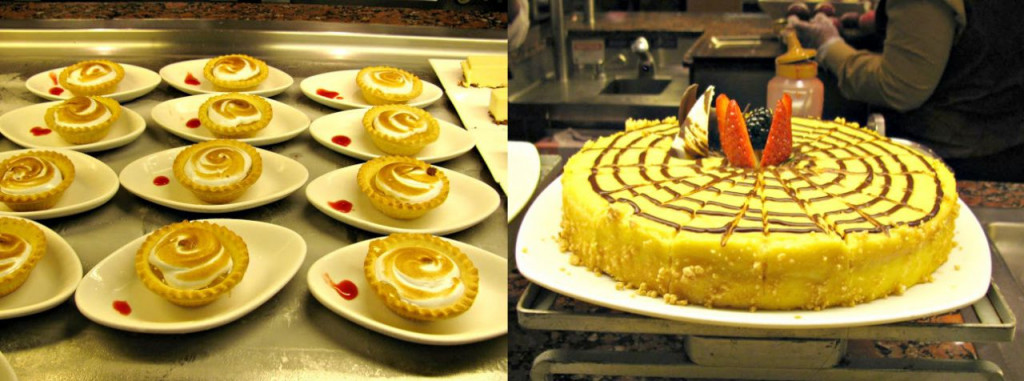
{"type": "Point", "coordinates": [382, 85]}
{"type": "Point", "coordinates": [400, 129]}
{"type": "Point", "coordinates": [83, 120]}
{"type": "Point", "coordinates": [35, 180]}
{"type": "Point", "coordinates": [420, 276]}
{"type": "Point", "coordinates": [235, 72]}
{"type": "Point", "coordinates": [498, 106]}
{"type": "Point", "coordinates": [218, 171]}
{"type": "Point", "coordinates": [22, 245]}
{"type": "Point", "coordinates": [402, 187]}
{"type": "Point", "coordinates": [235, 115]}
{"type": "Point", "coordinates": [191, 263]}
{"type": "Point", "coordinates": [830, 215]}
{"type": "Point", "coordinates": [485, 71]}
{"type": "Point", "coordinates": [92, 77]}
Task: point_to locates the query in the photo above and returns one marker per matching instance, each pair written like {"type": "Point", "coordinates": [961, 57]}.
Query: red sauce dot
{"type": "Point", "coordinates": [345, 288]}
{"type": "Point", "coordinates": [341, 205]}
{"type": "Point", "coordinates": [53, 77]}
{"type": "Point", "coordinates": [161, 181]}
{"type": "Point", "coordinates": [328, 94]}
{"type": "Point", "coordinates": [56, 91]}
{"type": "Point", "coordinates": [122, 307]}
{"type": "Point", "coordinates": [342, 140]}
{"type": "Point", "coordinates": [193, 123]}
{"type": "Point", "coordinates": [39, 131]}
{"type": "Point", "coordinates": [191, 80]}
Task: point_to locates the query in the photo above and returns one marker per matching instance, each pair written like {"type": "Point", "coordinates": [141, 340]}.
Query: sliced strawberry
{"type": "Point", "coordinates": [734, 137]}
{"type": "Point", "coordinates": [721, 108]}
{"type": "Point", "coordinates": [780, 139]}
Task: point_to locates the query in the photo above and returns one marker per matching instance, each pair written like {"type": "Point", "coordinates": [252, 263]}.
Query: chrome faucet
{"type": "Point", "coordinates": [643, 52]}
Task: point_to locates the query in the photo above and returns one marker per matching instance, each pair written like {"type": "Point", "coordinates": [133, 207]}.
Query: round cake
{"type": "Point", "coordinates": [850, 217]}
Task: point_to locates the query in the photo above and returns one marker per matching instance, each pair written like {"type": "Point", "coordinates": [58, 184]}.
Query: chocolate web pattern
{"type": "Point", "coordinates": [838, 181]}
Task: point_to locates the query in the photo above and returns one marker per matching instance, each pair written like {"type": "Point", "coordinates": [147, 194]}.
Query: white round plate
{"type": "Point", "coordinates": [344, 83]}
{"type": "Point", "coordinates": [6, 371]}
{"type": "Point", "coordinates": [95, 183]}
{"type": "Point", "coordinates": [452, 142]}
{"type": "Point", "coordinates": [524, 167]}
{"type": "Point", "coordinates": [173, 115]}
{"type": "Point", "coordinates": [487, 318]}
{"type": "Point", "coordinates": [276, 83]}
{"type": "Point", "coordinates": [469, 202]}
{"type": "Point", "coordinates": [281, 176]}
{"type": "Point", "coordinates": [51, 283]}
{"type": "Point", "coordinates": [275, 255]}
{"type": "Point", "coordinates": [17, 125]}
{"type": "Point", "coordinates": [138, 81]}
{"type": "Point", "coordinates": [962, 280]}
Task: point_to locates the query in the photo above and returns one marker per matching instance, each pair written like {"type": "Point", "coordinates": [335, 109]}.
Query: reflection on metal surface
{"type": "Point", "coordinates": [720, 42]}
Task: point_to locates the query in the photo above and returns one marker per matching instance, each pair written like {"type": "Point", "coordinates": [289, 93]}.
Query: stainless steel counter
{"type": "Point", "coordinates": [292, 336]}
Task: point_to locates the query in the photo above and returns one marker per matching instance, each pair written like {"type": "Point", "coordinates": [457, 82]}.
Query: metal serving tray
{"type": "Point", "coordinates": [292, 336]}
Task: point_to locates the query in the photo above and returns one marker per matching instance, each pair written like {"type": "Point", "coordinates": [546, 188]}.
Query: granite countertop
{"type": "Point", "coordinates": [468, 19]}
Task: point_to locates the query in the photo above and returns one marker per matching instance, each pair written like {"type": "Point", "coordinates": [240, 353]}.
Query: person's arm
{"type": "Point", "coordinates": [919, 37]}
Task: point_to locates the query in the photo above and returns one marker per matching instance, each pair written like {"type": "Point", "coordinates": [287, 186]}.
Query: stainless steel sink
{"type": "Point", "coordinates": [636, 86]}
{"type": "Point", "coordinates": [1008, 238]}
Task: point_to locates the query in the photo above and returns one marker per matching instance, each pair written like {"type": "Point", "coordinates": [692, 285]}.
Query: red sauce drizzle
{"type": "Point", "coordinates": [345, 288]}
{"type": "Point", "coordinates": [190, 80]}
{"type": "Point", "coordinates": [122, 307]}
{"type": "Point", "coordinates": [193, 123]}
{"type": "Point", "coordinates": [343, 206]}
{"type": "Point", "coordinates": [39, 131]}
{"type": "Point", "coordinates": [56, 91]}
{"type": "Point", "coordinates": [53, 77]}
{"type": "Point", "coordinates": [342, 140]}
{"type": "Point", "coordinates": [161, 181]}
{"type": "Point", "coordinates": [328, 94]}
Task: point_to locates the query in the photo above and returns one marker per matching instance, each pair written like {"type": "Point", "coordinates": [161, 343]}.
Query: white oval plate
{"type": "Point", "coordinates": [344, 83]}
{"type": "Point", "coordinates": [469, 202]}
{"type": "Point", "coordinates": [524, 167]}
{"type": "Point", "coordinates": [487, 318]}
{"type": "Point", "coordinates": [17, 125]}
{"type": "Point", "coordinates": [452, 142]}
{"type": "Point", "coordinates": [138, 81]}
{"type": "Point", "coordinates": [95, 183]}
{"type": "Point", "coordinates": [281, 176]}
{"type": "Point", "coordinates": [51, 283]}
{"type": "Point", "coordinates": [275, 255]}
{"type": "Point", "coordinates": [173, 115]}
{"type": "Point", "coordinates": [6, 371]}
{"type": "Point", "coordinates": [276, 83]}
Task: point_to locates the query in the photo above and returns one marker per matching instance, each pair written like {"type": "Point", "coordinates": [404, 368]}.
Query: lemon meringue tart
{"type": "Point", "coordinates": [235, 72]}
{"type": "Point", "coordinates": [93, 77]}
{"type": "Point", "coordinates": [402, 187]}
{"type": "Point", "coordinates": [83, 120]}
{"type": "Point", "coordinates": [35, 180]}
{"type": "Point", "coordinates": [382, 85]}
{"type": "Point", "coordinates": [22, 245]}
{"type": "Point", "coordinates": [420, 276]}
{"type": "Point", "coordinates": [235, 115]}
{"type": "Point", "coordinates": [400, 129]}
{"type": "Point", "coordinates": [192, 263]}
{"type": "Point", "coordinates": [218, 171]}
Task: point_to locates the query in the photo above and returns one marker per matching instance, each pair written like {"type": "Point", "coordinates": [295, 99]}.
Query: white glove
{"type": "Point", "coordinates": [816, 32]}
{"type": "Point", "coordinates": [520, 24]}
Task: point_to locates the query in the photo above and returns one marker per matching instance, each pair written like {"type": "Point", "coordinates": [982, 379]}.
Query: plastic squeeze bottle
{"type": "Point", "coordinates": [796, 73]}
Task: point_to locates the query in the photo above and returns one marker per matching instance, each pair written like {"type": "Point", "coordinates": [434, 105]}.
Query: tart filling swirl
{"type": "Point", "coordinates": [190, 258]}
{"type": "Point", "coordinates": [389, 81]}
{"type": "Point", "coordinates": [30, 175]}
{"type": "Point", "coordinates": [233, 112]}
{"type": "Point", "coordinates": [421, 276]}
{"type": "Point", "coordinates": [91, 74]}
{"type": "Point", "coordinates": [14, 251]}
{"type": "Point", "coordinates": [81, 112]}
{"type": "Point", "coordinates": [235, 68]}
{"type": "Point", "coordinates": [399, 123]}
{"type": "Point", "coordinates": [408, 182]}
{"type": "Point", "coordinates": [218, 165]}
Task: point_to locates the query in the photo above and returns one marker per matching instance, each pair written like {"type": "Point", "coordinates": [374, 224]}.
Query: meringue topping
{"type": "Point", "coordinates": [14, 251]}
{"type": "Point", "coordinates": [218, 165]}
{"type": "Point", "coordinates": [408, 182]}
{"type": "Point", "coordinates": [421, 276]}
{"type": "Point", "coordinates": [399, 123]}
{"type": "Point", "coordinates": [390, 81]}
{"type": "Point", "coordinates": [190, 258]}
{"type": "Point", "coordinates": [29, 175]}
{"type": "Point", "coordinates": [91, 74]}
{"type": "Point", "coordinates": [235, 68]}
{"type": "Point", "coordinates": [79, 112]}
{"type": "Point", "coordinates": [233, 112]}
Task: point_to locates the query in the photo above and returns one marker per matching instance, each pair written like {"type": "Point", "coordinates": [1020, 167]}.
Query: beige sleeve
{"type": "Point", "coordinates": [919, 38]}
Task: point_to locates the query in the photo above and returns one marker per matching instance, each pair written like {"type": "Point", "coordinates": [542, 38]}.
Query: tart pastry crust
{"type": "Point", "coordinates": [35, 180]}
{"type": "Point", "coordinates": [402, 187]}
{"type": "Point", "coordinates": [83, 120]}
{"type": "Point", "coordinates": [92, 77]}
{"type": "Point", "coordinates": [215, 171]}
{"type": "Point", "coordinates": [198, 247]}
{"type": "Point", "coordinates": [420, 276]}
{"type": "Point", "coordinates": [252, 113]}
{"type": "Point", "coordinates": [22, 245]}
{"type": "Point", "coordinates": [400, 129]}
{"type": "Point", "coordinates": [382, 85]}
{"type": "Point", "coordinates": [235, 72]}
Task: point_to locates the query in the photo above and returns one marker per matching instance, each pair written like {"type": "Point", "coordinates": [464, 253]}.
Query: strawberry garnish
{"type": "Point", "coordinates": [721, 109]}
{"type": "Point", "coordinates": [780, 139]}
{"type": "Point", "coordinates": [734, 137]}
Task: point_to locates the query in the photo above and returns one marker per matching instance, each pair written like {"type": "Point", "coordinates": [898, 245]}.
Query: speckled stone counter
{"type": "Point", "coordinates": [255, 12]}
